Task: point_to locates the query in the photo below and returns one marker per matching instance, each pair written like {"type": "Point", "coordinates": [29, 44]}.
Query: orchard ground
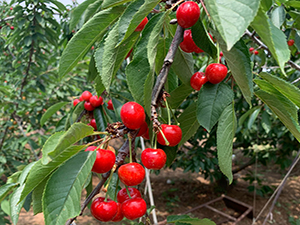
{"type": "Point", "coordinates": [176, 192]}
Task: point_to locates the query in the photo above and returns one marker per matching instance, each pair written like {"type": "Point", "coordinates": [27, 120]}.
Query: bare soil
{"type": "Point", "coordinates": [176, 192]}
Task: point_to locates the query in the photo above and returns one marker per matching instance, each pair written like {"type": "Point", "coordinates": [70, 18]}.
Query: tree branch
{"type": "Point", "coordinates": [162, 77]}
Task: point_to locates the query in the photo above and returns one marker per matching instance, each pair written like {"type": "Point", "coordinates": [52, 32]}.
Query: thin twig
{"type": "Point", "coordinates": [162, 77]}
{"type": "Point", "coordinates": [3, 138]}
{"type": "Point", "coordinates": [263, 46]}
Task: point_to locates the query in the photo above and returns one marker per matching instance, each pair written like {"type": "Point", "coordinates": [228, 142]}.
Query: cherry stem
{"type": "Point", "coordinates": [204, 7]}
{"type": "Point", "coordinates": [176, 4]}
{"type": "Point", "coordinates": [174, 117]}
{"type": "Point", "coordinates": [100, 132]}
{"type": "Point", "coordinates": [162, 133]}
{"type": "Point", "coordinates": [130, 150]}
{"type": "Point", "coordinates": [94, 142]}
{"type": "Point", "coordinates": [168, 110]}
{"type": "Point", "coordinates": [116, 190]}
{"type": "Point", "coordinates": [127, 191]}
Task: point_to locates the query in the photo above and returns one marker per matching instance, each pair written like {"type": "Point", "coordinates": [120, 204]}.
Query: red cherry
{"type": "Point", "coordinates": [221, 54]}
{"type": "Point", "coordinates": [75, 102]}
{"type": "Point", "coordinates": [93, 124]}
{"type": "Point", "coordinates": [131, 174]}
{"type": "Point", "coordinates": [153, 159]}
{"type": "Point", "coordinates": [134, 208]}
{"type": "Point", "coordinates": [256, 52]}
{"type": "Point", "coordinates": [291, 42]}
{"type": "Point", "coordinates": [119, 216]}
{"type": "Point", "coordinates": [88, 106]}
{"type": "Point", "coordinates": [95, 101]}
{"type": "Point", "coordinates": [141, 26]}
{"type": "Point", "coordinates": [12, 27]}
{"type": "Point", "coordinates": [143, 129]}
{"type": "Point", "coordinates": [172, 133]}
{"type": "Point", "coordinates": [122, 195]}
{"type": "Point", "coordinates": [197, 80]}
{"type": "Point", "coordinates": [80, 98]}
{"type": "Point", "coordinates": [86, 95]}
{"type": "Point", "coordinates": [92, 48]}
{"type": "Point", "coordinates": [11, 8]}
{"type": "Point", "coordinates": [110, 105]}
{"type": "Point", "coordinates": [105, 160]}
{"type": "Point", "coordinates": [188, 45]}
{"type": "Point", "coordinates": [0, 27]}
{"type": "Point", "coordinates": [187, 14]}
{"type": "Point", "coordinates": [216, 72]}
{"type": "Point", "coordinates": [251, 49]}
{"type": "Point", "coordinates": [104, 211]}
{"type": "Point", "coordinates": [132, 115]}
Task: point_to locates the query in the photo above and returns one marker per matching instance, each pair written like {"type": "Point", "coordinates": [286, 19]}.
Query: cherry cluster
{"type": "Point", "coordinates": [129, 203]}
{"type": "Point", "coordinates": [90, 101]}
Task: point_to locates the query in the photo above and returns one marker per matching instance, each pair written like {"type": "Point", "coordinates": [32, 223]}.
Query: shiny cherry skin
{"type": "Point", "coordinates": [95, 101]}
{"type": "Point", "coordinates": [86, 95]}
{"type": "Point", "coordinates": [131, 174]}
{"type": "Point", "coordinates": [104, 211]}
{"type": "Point", "coordinates": [105, 160]}
{"type": "Point", "coordinates": [251, 49]}
{"type": "Point", "coordinates": [215, 72]}
{"type": "Point", "coordinates": [153, 159]}
{"type": "Point", "coordinates": [142, 25]}
{"type": "Point", "coordinates": [88, 106]}
{"type": "Point", "coordinates": [172, 133]}
{"type": "Point", "coordinates": [134, 208]}
{"type": "Point", "coordinates": [122, 195]}
{"type": "Point", "coordinates": [119, 216]}
{"type": "Point", "coordinates": [143, 129]}
{"type": "Point", "coordinates": [132, 115]}
{"type": "Point", "coordinates": [12, 27]}
{"type": "Point", "coordinates": [93, 124]}
{"type": "Point", "coordinates": [187, 14]}
{"type": "Point", "coordinates": [75, 102]}
{"type": "Point", "coordinates": [188, 45]}
{"type": "Point", "coordinates": [256, 52]}
{"type": "Point", "coordinates": [197, 80]}
{"type": "Point", "coordinates": [291, 42]}
{"type": "Point", "coordinates": [110, 105]}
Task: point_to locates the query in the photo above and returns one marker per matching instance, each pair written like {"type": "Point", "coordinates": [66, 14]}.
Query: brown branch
{"type": "Point", "coordinates": [162, 77]}
{"type": "Point", "coordinates": [3, 138]}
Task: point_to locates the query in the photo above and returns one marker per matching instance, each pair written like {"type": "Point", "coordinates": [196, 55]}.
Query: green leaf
{"type": "Point", "coordinates": [78, 12]}
{"type": "Point", "coordinates": [225, 134]}
{"type": "Point", "coordinates": [82, 41]}
{"type": "Point", "coordinates": [59, 142]}
{"type": "Point", "coordinates": [185, 219]}
{"type": "Point", "coordinates": [53, 109]}
{"type": "Point", "coordinates": [179, 94]}
{"type": "Point", "coordinates": [278, 16]}
{"type": "Point", "coordinates": [278, 106]}
{"type": "Point", "coordinates": [183, 66]}
{"type": "Point", "coordinates": [59, 5]}
{"type": "Point", "coordinates": [61, 199]}
{"type": "Point", "coordinates": [188, 122]}
{"type": "Point", "coordinates": [37, 196]}
{"type": "Point", "coordinates": [247, 114]}
{"type": "Point", "coordinates": [133, 16]}
{"type": "Point", "coordinates": [289, 106]}
{"type": "Point", "coordinates": [252, 118]}
{"type": "Point", "coordinates": [40, 172]}
{"type": "Point", "coordinates": [15, 201]}
{"type": "Point", "coordinates": [138, 69]}
{"type": "Point", "coordinates": [212, 100]}
{"type": "Point", "coordinates": [294, 4]}
{"type": "Point", "coordinates": [273, 37]}
{"type": "Point", "coordinates": [266, 122]}
{"type": "Point", "coordinates": [93, 73]}
{"type": "Point", "coordinates": [239, 63]}
{"type": "Point", "coordinates": [232, 17]}
{"type": "Point", "coordinates": [100, 119]}
{"type": "Point", "coordinates": [114, 56]}
{"type": "Point", "coordinates": [92, 10]}
{"type": "Point", "coordinates": [111, 3]}
{"type": "Point", "coordinates": [6, 189]}
{"type": "Point", "coordinates": [287, 89]}
{"type": "Point", "coordinates": [171, 154]}
{"type": "Point", "coordinates": [203, 40]}
{"type": "Point", "coordinates": [113, 185]}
